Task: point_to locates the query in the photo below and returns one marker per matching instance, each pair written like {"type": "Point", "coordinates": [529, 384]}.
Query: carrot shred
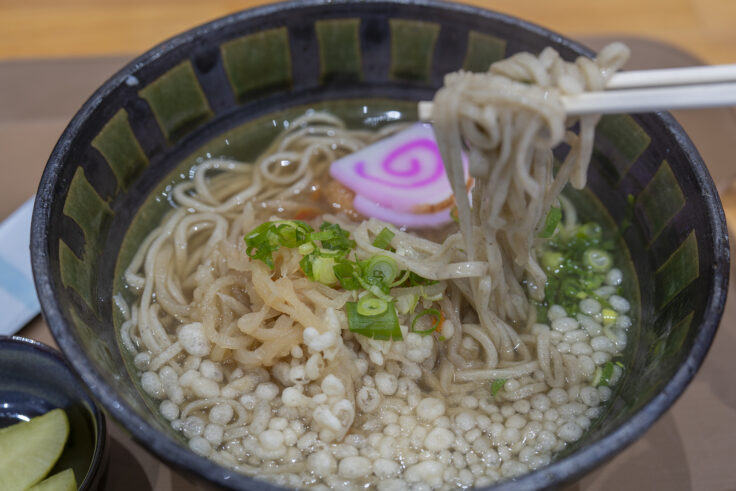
{"type": "Point", "coordinates": [441, 321]}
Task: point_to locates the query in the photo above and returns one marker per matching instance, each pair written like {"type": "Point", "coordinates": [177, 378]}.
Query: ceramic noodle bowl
{"type": "Point", "coordinates": [226, 88]}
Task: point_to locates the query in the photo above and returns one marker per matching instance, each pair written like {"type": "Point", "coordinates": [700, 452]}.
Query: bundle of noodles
{"type": "Point", "coordinates": [251, 346]}
{"type": "Point", "coordinates": [508, 120]}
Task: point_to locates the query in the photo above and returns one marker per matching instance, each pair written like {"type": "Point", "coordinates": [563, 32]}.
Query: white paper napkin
{"type": "Point", "coordinates": [18, 300]}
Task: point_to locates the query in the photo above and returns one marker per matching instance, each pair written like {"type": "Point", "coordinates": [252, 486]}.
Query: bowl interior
{"type": "Point", "coordinates": [225, 89]}
{"type": "Point", "coordinates": [34, 379]}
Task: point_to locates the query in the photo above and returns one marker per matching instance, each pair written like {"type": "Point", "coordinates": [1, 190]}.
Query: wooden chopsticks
{"type": "Point", "coordinates": [650, 90]}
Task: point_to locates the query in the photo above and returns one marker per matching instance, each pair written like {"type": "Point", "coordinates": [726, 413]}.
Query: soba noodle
{"type": "Point", "coordinates": [511, 119]}
{"type": "Point", "coordinates": [257, 366]}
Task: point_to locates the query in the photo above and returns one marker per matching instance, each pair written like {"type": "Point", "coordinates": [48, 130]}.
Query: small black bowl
{"type": "Point", "coordinates": [35, 379]}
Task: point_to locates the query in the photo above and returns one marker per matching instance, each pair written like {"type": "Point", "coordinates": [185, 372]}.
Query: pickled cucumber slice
{"type": "Point", "coordinates": [29, 450]}
{"type": "Point", "coordinates": [61, 481]}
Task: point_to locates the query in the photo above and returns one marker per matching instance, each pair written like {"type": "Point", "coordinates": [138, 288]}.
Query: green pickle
{"type": "Point", "coordinates": [29, 450]}
{"type": "Point", "coordinates": [61, 481]}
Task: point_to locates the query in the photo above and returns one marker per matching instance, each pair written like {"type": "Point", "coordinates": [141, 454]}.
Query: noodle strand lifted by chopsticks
{"type": "Point", "coordinates": [511, 118]}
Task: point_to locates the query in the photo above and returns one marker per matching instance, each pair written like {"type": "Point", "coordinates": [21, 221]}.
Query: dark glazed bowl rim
{"type": "Point", "coordinates": [101, 426]}
{"type": "Point", "coordinates": [168, 450]}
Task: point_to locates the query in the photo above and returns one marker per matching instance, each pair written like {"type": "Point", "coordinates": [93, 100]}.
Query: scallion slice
{"type": "Point", "coordinates": [603, 374]}
{"type": "Point", "coordinates": [429, 295]}
{"type": "Point", "coordinates": [497, 385]}
{"type": "Point", "coordinates": [266, 238]}
{"type": "Point", "coordinates": [306, 248]}
{"type": "Point", "coordinates": [609, 316]}
{"type": "Point", "coordinates": [371, 306]}
{"type": "Point", "coordinates": [376, 290]}
{"type": "Point", "coordinates": [551, 261]}
{"type": "Point", "coordinates": [597, 260]}
{"type": "Point", "coordinates": [406, 304]}
{"type": "Point", "coordinates": [381, 269]}
{"type": "Point", "coordinates": [383, 326]}
{"type": "Point", "coordinates": [550, 223]}
{"type": "Point", "coordinates": [323, 270]}
{"type": "Point", "coordinates": [431, 312]}
{"type": "Point", "coordinates": [383, 239]}
{"type": "Point", "coordinates": [333, 237]}
{"type": "Point", "coordinates": [418, 280]}
{"type": "Point", "coordinates": [375, 286]}
{"type": "Point", "coordinates": [404, 276]}
{"type": "Point", "coordinates": [590, 232]}
{"type": "Point", "coordinates": [346, 272]}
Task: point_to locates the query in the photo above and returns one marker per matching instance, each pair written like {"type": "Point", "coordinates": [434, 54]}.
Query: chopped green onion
{"type": "Point", "coordinates": [404, 276]}
{"type": "Point", "coordinates": [603, 374]}
{"type": "Point", "coordinates": [346, 273]}
{"type": "Point", "coordinates": [497, 385]}
{"type": "Point", "coordinates": [292, 232]}
{"type": "Point", "coordinates": [575, 261]}
{"type": "Point", "coordinates": [604, 303]}
{"type": "Point", "coordinates": [596, 381]}
{"type": "Point", "coordinates": [306, 264]}
{"type": "Point", "coordinates": [406, 304]}
{"type": "Point", "coordinates": [306, 248]}
{"type": "Point", "coordinates": [334, 237]}
{"type": "Point", "coordinates": [597, 260]}
{"type": "Point", "coordinates": [592, 282]}
{"type": "Point", "coordinates": [383, 326]}
{"type": "Point", "coordinates": [432, 298]}
{"type": "Point", "coordinates": [383, 239]}
{"type": "Point", "coordinates": [319, 268]}
{"type": "Point", "coordinates": [427, 312]}
{"type": "Point", "coordinates": [323, 236]}
{"type": "Point", "coordinates": [371, 306]}
{"type": "Point", "coordinates": [417, 280]}
{"type": "Point", "coordinates": [591, 232]}
{"type": "Point", "coordinates": [265, 239]}
{"type": "Point", "coordinates": [550, 223]}
{"type": "Point", "coordinates": [375, 290]}
{"type": "Point", "coordinates": [381, 269]}
{"type": "Point", "coordinates": [609, 316]}
{"type": "Point", "coordinates": [323, 270]}
{"type": "Point", "coordinates": [551, 260]}
{"type": "Point", "coordinates": [331, 253]}
{"type": "Point", "coordinates": [325, 260]}
{"type": "Point", "coordinates": [412, 279]}
{"type": "Point", "coordinates": [571, 288]}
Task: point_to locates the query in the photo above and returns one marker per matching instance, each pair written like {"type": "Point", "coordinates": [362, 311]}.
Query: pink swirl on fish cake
{"type": "Point", "coordinates": [403, 172]}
